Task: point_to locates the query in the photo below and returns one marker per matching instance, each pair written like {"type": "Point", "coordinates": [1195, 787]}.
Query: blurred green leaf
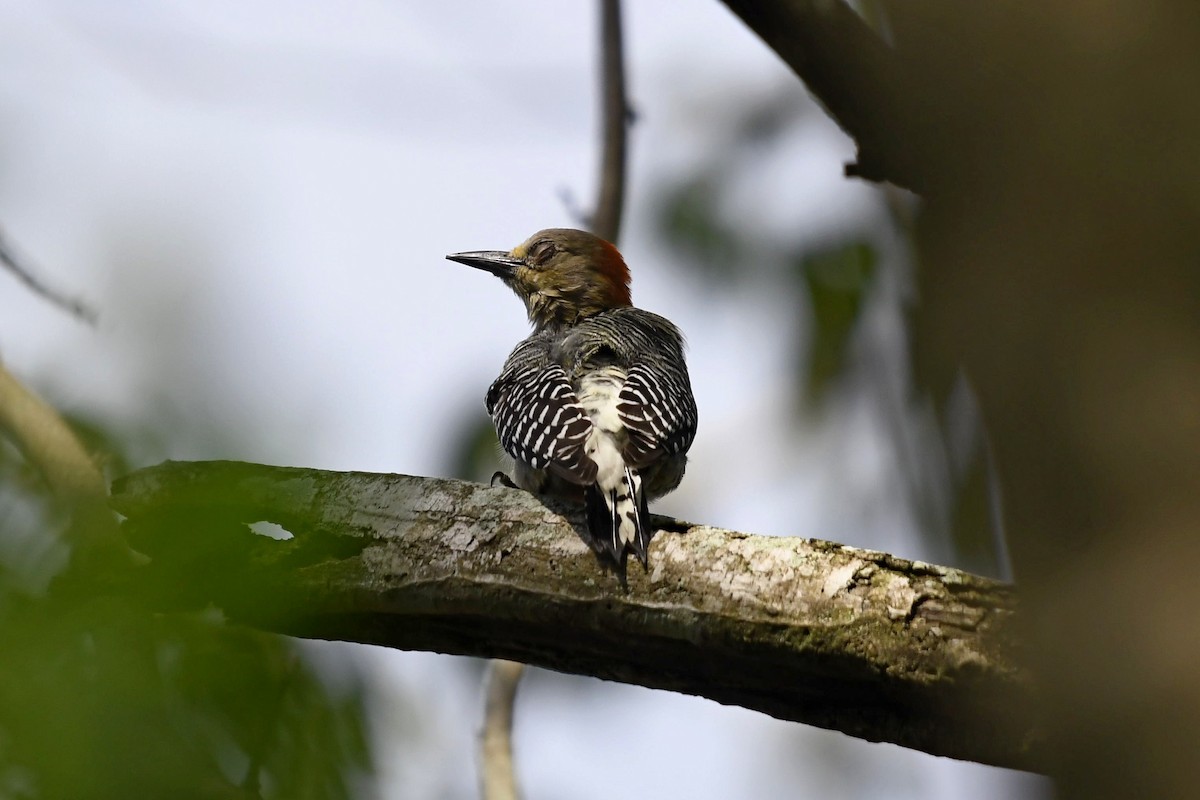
{"type": "Point", "coordinates": [837, 281]}
{"type": "Point", "coordinates": [101, 698]}
{"type": "Point", "coordinates": [691, 220]}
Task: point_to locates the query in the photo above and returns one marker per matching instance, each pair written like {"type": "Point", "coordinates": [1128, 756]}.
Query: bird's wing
{"type": "Point", "coordinates": [539, 420]}
{"type": "Point", "coordinates": [658, 411]}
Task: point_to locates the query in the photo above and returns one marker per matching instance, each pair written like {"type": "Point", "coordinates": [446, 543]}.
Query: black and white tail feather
{"type": "Point", "coordinates": [619, 519]}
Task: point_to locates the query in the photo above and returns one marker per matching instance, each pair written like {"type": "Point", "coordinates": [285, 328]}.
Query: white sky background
{"type": "Point", "coordinates": [258, 197]}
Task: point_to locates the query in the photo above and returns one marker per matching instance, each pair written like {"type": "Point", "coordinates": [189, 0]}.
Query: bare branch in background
{"type": "Point", "coordinates": [48, 442]}
{"type": "Point", "coordinates": [497, 774]}
{"type": "Point", "coordinates": [610, 198]}
{"type": "Point", "coordinates": [866, 643]}
{"type": "Point", "coordinates": [15, 265]}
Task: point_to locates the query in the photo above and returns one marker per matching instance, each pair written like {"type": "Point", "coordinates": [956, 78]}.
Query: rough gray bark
{"type": "Point", "coordinates": [875, 646]}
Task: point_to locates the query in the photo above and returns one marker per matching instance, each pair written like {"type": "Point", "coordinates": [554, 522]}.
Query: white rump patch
{"type": "Point", "coordinates": [598, 393]}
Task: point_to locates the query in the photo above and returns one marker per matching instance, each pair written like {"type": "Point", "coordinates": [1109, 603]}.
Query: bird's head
{"type": "Point", "coordinates": [561, 274]}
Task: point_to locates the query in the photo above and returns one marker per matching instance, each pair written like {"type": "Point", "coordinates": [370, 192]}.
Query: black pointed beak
{"type": "Point", "coordinates": [500, 264]}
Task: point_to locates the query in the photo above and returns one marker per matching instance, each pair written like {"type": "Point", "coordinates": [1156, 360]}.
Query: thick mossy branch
{"type": "Point", "coordinates": [862, 642]}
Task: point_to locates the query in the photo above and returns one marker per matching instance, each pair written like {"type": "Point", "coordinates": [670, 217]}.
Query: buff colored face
{"type": "Point", "coordinates": [562, 275]}
{"type": "Point", "coordinates": [561, 262]}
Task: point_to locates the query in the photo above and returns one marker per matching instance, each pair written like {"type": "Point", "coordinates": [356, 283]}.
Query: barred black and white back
{"type": "Point", "coordinates": [606, 407]}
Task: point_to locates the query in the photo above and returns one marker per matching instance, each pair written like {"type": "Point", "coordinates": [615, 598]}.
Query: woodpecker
{"type": "Point", "coordinates": [596, 404]}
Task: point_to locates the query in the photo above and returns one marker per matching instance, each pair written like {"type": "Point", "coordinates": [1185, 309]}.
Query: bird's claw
{"type": "Point", "coordinates": [500, 479]}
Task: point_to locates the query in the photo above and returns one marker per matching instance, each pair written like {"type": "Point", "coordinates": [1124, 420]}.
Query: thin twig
{"type": "Point", "coordinates": [606, 219]}
{"type": "Point", "coordinates": [46, 439]}
{"type": "Point", "coordinates": [15, 265]}
{"type": "Point", "coordinates": [497, 778]}
{"type": "Point", "coordinates": [48, 442]}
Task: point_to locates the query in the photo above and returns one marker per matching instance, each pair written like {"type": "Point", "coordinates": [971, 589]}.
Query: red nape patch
{"type": "Point", "coordinates": [612, 266]}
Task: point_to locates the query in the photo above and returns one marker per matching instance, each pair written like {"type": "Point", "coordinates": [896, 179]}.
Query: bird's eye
{"type": "Point", "coordinates": [542, 252]}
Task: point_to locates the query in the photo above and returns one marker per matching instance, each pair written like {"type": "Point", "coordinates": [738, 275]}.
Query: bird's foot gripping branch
{"type": "Point", "coordinates": [862, 642]}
